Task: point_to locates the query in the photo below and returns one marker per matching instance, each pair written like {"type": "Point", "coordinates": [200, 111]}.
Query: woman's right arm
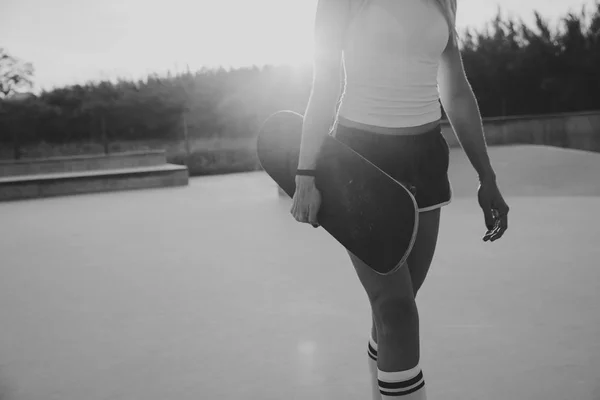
{"type": "Point", "coordinates": [329, 32]}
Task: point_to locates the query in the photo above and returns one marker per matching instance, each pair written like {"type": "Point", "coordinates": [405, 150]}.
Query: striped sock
{"type": "Point", "coordinates": [405, 385]}
{"type": "Point", "coordinates": [372, 352]}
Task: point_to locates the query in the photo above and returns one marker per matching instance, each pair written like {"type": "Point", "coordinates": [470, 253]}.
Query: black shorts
{"type": "Point", "coordinates": [419, 161]}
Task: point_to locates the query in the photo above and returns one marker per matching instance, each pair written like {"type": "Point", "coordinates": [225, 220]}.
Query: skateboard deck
{"type": "Point", "coordinates": [368, 212]}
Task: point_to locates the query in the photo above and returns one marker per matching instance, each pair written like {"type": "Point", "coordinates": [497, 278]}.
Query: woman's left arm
{"type": "Point", "coordinates": [462, 111]}
{"type": "Point", "coordinates": [460, 105]}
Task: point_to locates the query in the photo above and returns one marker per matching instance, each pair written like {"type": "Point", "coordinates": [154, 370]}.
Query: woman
{"type": "Point", "coordinates": [401, 61]}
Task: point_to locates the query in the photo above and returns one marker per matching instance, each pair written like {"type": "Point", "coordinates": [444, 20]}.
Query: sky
{"type": "Point", "coordinates": [74, 41]}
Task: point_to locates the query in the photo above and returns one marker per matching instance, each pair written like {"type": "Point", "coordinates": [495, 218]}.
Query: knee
{"type": "Point", "coordinates": [393, 313]}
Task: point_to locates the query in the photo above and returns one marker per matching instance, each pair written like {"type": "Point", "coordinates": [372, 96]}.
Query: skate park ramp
{"type": "Point", "coordinates": [531, 170]}
{"type": "Point", "coordinates": [213, 291]}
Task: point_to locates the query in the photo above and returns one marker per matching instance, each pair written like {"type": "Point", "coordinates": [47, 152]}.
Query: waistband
{"type": "Point", "coordinates": [383, 132]}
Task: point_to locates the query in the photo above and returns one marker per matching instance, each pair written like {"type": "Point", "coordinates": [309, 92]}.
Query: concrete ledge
{"type": "Point", "coordinates": [591, 113]}
{"type": "Point", "coordinates": [578, 130]}
{"type": "Point", "coordinates": [46, 185]}
{"type": "Point", "coordinates": [31, 166]}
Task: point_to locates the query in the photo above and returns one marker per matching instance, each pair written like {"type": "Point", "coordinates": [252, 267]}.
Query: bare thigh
{"type": "Point", "coordinates": [422, 253]}
{"type": "Point", "coordinates": [406, 281]}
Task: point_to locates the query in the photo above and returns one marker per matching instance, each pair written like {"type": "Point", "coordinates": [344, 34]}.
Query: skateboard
{"type": "Point", "coordinates": [368, 212]}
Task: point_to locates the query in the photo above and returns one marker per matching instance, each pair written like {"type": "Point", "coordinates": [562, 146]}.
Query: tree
{"type": "Point", "coordinates": [15, 74]}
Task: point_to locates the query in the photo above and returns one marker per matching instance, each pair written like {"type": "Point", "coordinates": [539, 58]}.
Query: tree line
{"type": "Point", "coordinates": [514, 69]}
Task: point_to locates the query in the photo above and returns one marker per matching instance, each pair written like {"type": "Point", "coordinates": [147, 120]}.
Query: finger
{"type": "Point", "coordinates": [304, 216]}
{"type": "Point", "coordinates": [499, 229]}
{"type": "Point", "coordinates": [502, 227]}
{"type": "Point", "coordinates": [297, 217]}
{"type": "Point", "coordinates": [493, 229]}
{"type": "Point", "coordinates": [488, 235]}
{"type": "Point", "coordinates": [294, 212]}
{"type": "Point", "coordinates": [491, 232]}
{"type": "Point", "coordinates": [497, 236]}
{"type": "Point", "coordinates": [298, 214]}
{"type": "Point", "coordinates": [497, 233]}
{"type": "Point", "coordinates": [312, 215]}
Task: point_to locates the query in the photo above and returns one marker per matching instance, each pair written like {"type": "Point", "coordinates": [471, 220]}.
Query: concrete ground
{"type": "Point", "coordinates": [213, 291]}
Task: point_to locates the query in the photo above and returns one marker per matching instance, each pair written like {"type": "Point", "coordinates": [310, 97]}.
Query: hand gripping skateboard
{"type": "Point", "coordinates": [368, 212]}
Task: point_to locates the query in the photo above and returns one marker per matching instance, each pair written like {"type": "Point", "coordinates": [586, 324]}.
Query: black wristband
{"type": "Point", "coordinates": [306, 172]}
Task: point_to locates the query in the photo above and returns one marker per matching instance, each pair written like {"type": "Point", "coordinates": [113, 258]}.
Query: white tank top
{"type": "Point", "coordinates": [391, 61]}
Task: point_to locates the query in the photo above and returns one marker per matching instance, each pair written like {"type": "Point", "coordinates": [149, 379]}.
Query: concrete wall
{"type": "Point", "coordinates": [579, 130]}
{"type": "Point", "coordinates": [90, 162]}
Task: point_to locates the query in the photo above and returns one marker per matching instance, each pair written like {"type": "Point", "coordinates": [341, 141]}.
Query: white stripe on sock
{"type": "Point", "coordinates": [412, 389]}
{"type": "Point", "coordinates": [398, 376]}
